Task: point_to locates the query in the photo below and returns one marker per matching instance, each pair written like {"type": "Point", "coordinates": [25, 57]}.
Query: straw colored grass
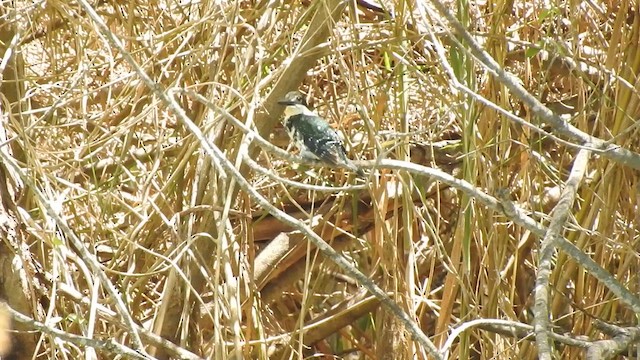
{"type": "Point", "coordinates": [149, 210]}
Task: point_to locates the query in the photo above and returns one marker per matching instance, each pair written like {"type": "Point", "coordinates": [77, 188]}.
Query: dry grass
{"type": "Point", "coordinates": [120, 225]}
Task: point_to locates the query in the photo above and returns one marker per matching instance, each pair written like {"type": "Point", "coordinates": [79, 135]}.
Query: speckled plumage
{"type": "Point", "coordinates": [312, 135]}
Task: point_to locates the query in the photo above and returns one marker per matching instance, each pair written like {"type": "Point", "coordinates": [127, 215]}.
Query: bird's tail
{"type": "Point", "coordinates": [356, 169]}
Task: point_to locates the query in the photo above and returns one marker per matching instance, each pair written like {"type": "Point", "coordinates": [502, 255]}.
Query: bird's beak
{"type": "Point", "coordinates": [286, 102]}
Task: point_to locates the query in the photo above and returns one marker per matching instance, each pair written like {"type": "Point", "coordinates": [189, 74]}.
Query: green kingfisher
{"type": "Point", "coordinates": [312, 135]}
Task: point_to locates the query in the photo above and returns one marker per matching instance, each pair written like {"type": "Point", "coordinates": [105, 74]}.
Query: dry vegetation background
{"type": "Point", "coordinates": [499, 221]}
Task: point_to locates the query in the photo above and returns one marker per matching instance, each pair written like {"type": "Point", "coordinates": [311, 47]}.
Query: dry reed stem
{"type": "Point", "coordinates": [128, 230]}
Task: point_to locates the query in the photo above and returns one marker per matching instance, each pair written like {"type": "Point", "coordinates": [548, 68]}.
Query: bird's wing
{"type": "Point", "coordinates": [334, 153]}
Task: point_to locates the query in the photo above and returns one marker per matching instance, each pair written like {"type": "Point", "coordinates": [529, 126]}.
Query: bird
{"type": "Point", "coordinates": [313, 135]}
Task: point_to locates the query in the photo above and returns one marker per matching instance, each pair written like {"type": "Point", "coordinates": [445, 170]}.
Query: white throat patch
{"type": "Point", "coordinates": [297, 109]}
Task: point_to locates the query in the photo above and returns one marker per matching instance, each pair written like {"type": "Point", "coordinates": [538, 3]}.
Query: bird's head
{"type": "Point", "coordinates": [295, 103]}
{"type": "Point", "coordinates": [293, 98]}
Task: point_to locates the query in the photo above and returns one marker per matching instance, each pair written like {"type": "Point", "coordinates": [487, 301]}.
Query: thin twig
{"type": "Point", "coordinates": [219, 158]}
{"type": "Point", "coordinates": [112, 318]}
{"type": "Point", "coordinates": [108, 345]}
{"type": "Point", "coordinates": [75, 241]}
{"type": "Point", "coordinates": [331, 189]}
{"type": "Point", "coordinates": [518, 216]}
{"type": "Point", "coordinates": [559, 217]}
{"type": "Point", "coordinates": [509, 326]}
{"type": "Point", "coordinates": [610, 151]}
